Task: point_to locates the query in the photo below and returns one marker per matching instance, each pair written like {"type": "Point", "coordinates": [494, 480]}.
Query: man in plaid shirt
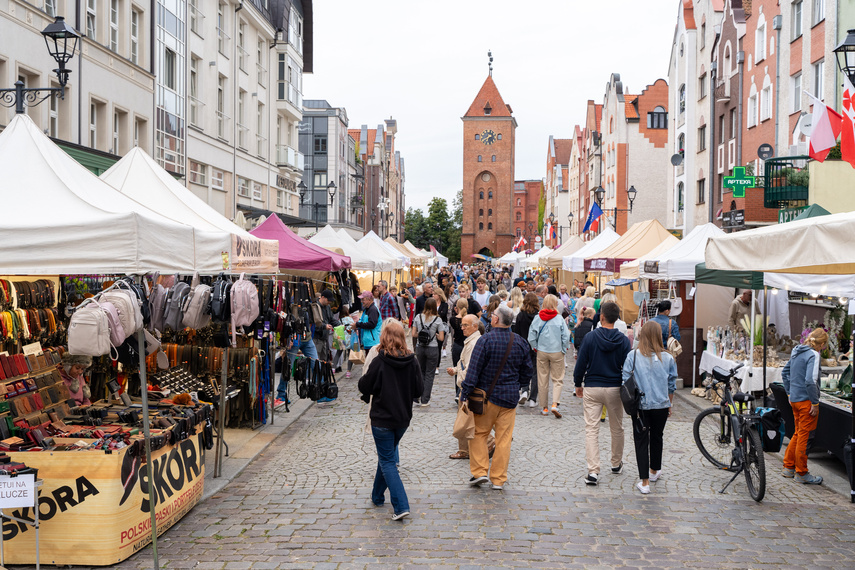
{"type": "Point", "coordinates": [500, 408]}
{"type": "Point", "coordinates": [388, 304]}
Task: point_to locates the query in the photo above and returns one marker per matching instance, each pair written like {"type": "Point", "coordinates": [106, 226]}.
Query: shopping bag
{"type": "Point", "coordinates": [464, 424]}
{"type": "Point", "coordinates": [357, 356]}
{"type": "Point", "coordinates": [338, 338]}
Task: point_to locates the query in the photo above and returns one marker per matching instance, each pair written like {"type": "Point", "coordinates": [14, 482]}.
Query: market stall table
{"type": "Point", "coordinates": [833, 428]}
{"type": "Point", "coordinates": [751, 379]}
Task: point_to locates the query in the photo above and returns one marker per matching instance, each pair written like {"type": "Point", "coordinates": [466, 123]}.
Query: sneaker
{"type": "Point", "coordinates": [788, 473]}
{"type": "Point", "coordinates": [277, 402]}
{"type": "Point", "coordinates": [347, 375]}
{"type": "Point", "coordinates": [544, 412]}
{"type": "Point", "coordinates": [654, 478]}
{"type": "Point", "coordinates": [592, 479]}
{"type": "Point", "coordinates": [444, 353]}
{"type": "Point", "coordinates": [496, 487]}
{"type": "Point", "coordinates": [645, 489]}
{"type": "Point", "coordinates": [399, 516]}
{"type": "Point", "coordinates": [476, 481]}
{"type": "Point", "coordinates": [324, 400]}
{"type": "Point", "coordinates": [425, 405]}
{"type": "Point", "coordinates": [338, 369]}
{"type": "Point", "coordinates": [532, 403]}
{"type": "Point", "coordinates": [617, 470]}
{"type": "Point", "coordinates": [523, 397]}
{"type": "Point", "coordinates": [437, 371]}
{"type": "Point", "coordinates": [555, 411]}
{"type": "Point", "coordinates": [809, 479]}
{"type": "Point", "coordinates": [457, 400]}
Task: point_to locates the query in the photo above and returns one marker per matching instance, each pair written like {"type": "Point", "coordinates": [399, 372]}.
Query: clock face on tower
{"type": "Point", "coordinates": [488, 137]}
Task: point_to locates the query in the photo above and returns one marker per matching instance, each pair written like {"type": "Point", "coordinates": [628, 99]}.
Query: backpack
{"type": "Point", "coordinates": [89, 332]}
{"type": "Point", "coordinates": [630, 393]}
{"type": "Point", "coordinates": [244, 301]}
{"type": "Point", "coordinates": [425, 337]}
{"type": "Point", "coordinates": [197, 307]}
{"type": "Point", "coordinates": [772, 429]}
{"type": "Point", "coordinates": [158, 304]}
{"type": "Point", "coordinates": [138, 299]}
{"type": "Point", "coordinates": [221, 309]}
{"type": "Point", "coordinates": [114, 321]}
{"type": "Point", "coordinates": [174, 302]}
{"type": "Point", "coordinates": [126, 307]}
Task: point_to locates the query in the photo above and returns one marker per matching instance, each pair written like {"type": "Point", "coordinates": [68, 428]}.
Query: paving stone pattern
{"type": "Point", "coordinates": [305, 504]}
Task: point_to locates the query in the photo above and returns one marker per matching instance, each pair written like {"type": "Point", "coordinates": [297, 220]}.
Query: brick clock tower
{"type": "Point", "coordinates": [488, 174]}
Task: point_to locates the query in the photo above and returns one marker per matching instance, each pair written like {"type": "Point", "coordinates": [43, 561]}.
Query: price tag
{"type": "Point", "coordinates": [17, 491]}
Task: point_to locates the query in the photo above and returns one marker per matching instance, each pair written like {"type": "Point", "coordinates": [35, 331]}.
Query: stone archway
{"type": "Point", "coordinates": [486, 252]}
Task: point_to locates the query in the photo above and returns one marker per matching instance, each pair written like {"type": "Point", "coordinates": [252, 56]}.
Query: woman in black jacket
{"type": "Point", "coordinates": [530, 308]}
{"type": "Point", "coordinates": [583, 328]}
{"type": "Point", "coordinates": [391, 383]}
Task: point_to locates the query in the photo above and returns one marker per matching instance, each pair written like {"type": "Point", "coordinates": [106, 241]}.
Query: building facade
{"type": "Point", "coordinates": [383, 194]}
{"type": "Point", "coordinates": [557, 189]}
{"type": "Point", "coordinates": [489, 131]}
{"type": "Point", "coordinates": [526, 199]}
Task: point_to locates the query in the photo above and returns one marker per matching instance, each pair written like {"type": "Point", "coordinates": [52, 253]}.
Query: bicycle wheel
{"type": "Point", "coordinates": [755, 464]}
{"type": "Point", "coordinates": [713, 437]}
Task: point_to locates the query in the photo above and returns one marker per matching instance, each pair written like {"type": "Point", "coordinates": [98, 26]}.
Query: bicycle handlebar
{"type": "Point", "coordinates": [737, 367]}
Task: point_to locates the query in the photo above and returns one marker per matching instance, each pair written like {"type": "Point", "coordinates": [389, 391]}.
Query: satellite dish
{"type": "Point", "coordinates": [765, 151]}
{"type": "Point", "coordinates": [805, 124]}
{"type": "Point", "coordinates": [676, 159]}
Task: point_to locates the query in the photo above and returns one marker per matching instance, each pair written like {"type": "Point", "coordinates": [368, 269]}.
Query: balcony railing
{"type": "Point", "coordinates": [196, 108]}
{"type": "Point", "coordinates": [242, 135]}
{"type": "Point", "coordinates": [197, 20]}
{"type": "Point", "coordinates": [785, 181]}
{"type": "Point", "coordinates": [287, 157]}
{"type": "Point", "coordinates": [223, 42]}
{"type": "Point", "coordinates": [261, 74]}
{"type": "Point", "coordinates": [260, 146]}
{"type": "Point", "coordinates": [243, 56]}
{"type": "Point", "coordinates": [721, 91]}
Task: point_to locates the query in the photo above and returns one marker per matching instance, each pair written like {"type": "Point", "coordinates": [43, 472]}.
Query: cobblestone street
{"type": "Point", "coordinates": [305, 504]}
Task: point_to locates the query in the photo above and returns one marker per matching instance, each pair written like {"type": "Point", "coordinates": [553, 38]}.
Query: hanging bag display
{"type": "Point", "coordinates": [159, 294]}
{"type": "Point", "coordinates": [244, 302]}
{"type": "Point", "coordinates": [172, 317]}
{"type": "Point", "coordinates": [89, 332]}
{"type": "Point", "coordinates": [221, 309]}
{"type": "Point", "coordinates": [125, 307]}
{"type": "Point", "coordinates": [197, 307]}
{"type": "Point", "coordinates": [676, 300]}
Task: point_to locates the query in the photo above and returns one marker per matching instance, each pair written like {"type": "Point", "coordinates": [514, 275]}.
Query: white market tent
{"type": "Point", "coordinates": [418, 255]}
{"type": "Point", "coordinates": [510, 257]}
{"type": "Point", "coordinates": [678, 262]}
{"type": "Point", "coordinates": [377, 248]}
{"type": "Point", "coordinates": [67, 220]}
{"type": "Point", "coordinates": [536, 259]}
{"type": "Point", "coordinates": [576, 262]}
{"type": "Point", "coordinates": [328, 238]}
{"type": "Point", "coordinates": [630, 269]}
{"type": "Point", "coordinates": [571, 246]}
{"type": "Point", "coordinates": [140, 178]}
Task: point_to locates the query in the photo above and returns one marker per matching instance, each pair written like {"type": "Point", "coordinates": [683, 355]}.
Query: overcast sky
{"type": "Point", "coordinates": [424, 62]}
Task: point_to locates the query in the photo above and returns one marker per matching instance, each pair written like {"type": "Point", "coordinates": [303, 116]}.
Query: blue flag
{"type": "Point", "coordinates": [595, 213]}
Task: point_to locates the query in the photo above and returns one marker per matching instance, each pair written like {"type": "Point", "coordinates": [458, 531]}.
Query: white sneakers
{"type": "Point", "coordinates": [444, 353]}
{"type": "Point", "coordinates": [645, 489]}
{"type": "Point", "coordinates": [531, 403]}
{"type": "Point", "coordinates": [523, 397]}
{"type": "Point", "coordinates": [655, 477]}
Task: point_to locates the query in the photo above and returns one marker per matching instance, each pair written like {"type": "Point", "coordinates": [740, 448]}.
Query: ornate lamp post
{"type": "Point", "coordinates": [845, 53]}
{"type": "Point", "coordinates": [631, 193]}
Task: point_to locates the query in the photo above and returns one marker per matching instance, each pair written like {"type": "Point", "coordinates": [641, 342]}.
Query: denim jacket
{"type": "Point", "coordinates": [550, 336]}
{"type": "Point", "coordinates": [656, 377]}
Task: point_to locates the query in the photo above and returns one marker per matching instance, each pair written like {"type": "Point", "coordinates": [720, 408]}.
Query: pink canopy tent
{"type": "Point", "coordinates": [296, 253]}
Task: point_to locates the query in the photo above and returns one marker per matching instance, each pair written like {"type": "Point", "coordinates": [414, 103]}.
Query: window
{"type": "Point", "coordinates": [241, 49]}
{"type": "Point", "coordinates": [760, 43]}
{"type": "Point", "coordinates": [796, 93]}
{"type": "Point", "coordinates": [241, 123]}
{"type": "Point", "coordinates": [752, 110]}
{"type": "Point", "coordinates": [320, 145]}
{"type": "Point", "coordinates": [93, 125]}
{"type": "Point", "coordinates": [680, 197]}
{"type": "Point", "coordinates": [194, 91]}
{"type": "Point", "coordinates": [682, 99]}
{"type": "Point", "coordinates": [703, 35]}
{"type": "Point", "coordinates": [259, 130]}
{"type": "Point", "coordinates": [257, 191]}
{"type": "Point", "coordinates": [50, 8]}
{"type": "Point", "coordinates": [499, 136]}
{"type": "Point", "coordinates": [137, 130]}
{"type": "Point", "coordinates": [477, 137]}
{"type": "Point", "coordinates": [490, 195]}
{"type": "Point", "coordinates": [222, 37]}
{"type": "Point", "coordinates": [490, 226]}
{"type": "Point", "coordinates": [479, 158]}
{"type": "Point", "coordinates": [53, 114]}
{"type": "Point", "coordinates": [91, 22]}
{"type": "Point", "coordinates": [702, 138]}
{"type": "Point", "coordinates": [481, 195]}
{"type": "Point", "coordinates": [721, 129]}
{"type": "Point", "coordinates": [702, 191]}
{"type": "Point", "coordinates": [681, 145]}
{"type": "Point", "coordinates": [766, 103]}
{"type": "Point", "coordinates": [168, 72]}
{"type": "Point", "coordinates": [135, 35]}
{"type": "Point", "coordinates": [818, 69]}
{"type": "Point", "coordinates": [481, 212]}
{"type": "Point", "coordinates": [797, 19]}
{"type": "Point", "coordinates": [114, 25]}
{"type": "Point", "coordinates": [818, 14]}
{"type": "Point", "coordinates": [733, 123]}
{"type": "Point", "coordinates": [259, 55]}
{"type": "Point", "coordinates": [480, 225]}
{"type": "Point", "coordinates": [519, 232]}
{"type": "Point", "coordinates": [519, 216]}
{"type": "Point", "coordinates": [243, 187]}
{"type": "Point", "coordinates": [320, 180]}
{"type": "Point", "coordinates": [221, 105]}
{"type": "Point", "coordinates": [196, 18]}
{"type": "Point", "coordinates": [217, 179]}
{"type": "Point", "coordinates": [115, 148]}
{"type": "Point", "coordinates": [198, 173]}
{"type": "Point", "coordinates": [494, 158]}
{"type": "Point", "coordinates": [658, 119]}
{"type": "Point", "coordinates": [489, 212]}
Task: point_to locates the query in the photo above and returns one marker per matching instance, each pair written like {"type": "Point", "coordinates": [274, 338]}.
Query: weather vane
{"type": "Point", "coordinates": [490, 64]}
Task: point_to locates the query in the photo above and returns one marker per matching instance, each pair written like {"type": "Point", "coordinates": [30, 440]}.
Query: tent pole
{"type": "Point", "coordinates": [147, 437]}
{"type": "Point", "coordinates": [695, 335]}
{"type": "Point", "coordinates": [765, 339]}
{"type": "Point", "coordinates": [751, 333]}
{"type": "Point", "coordinates": [221, 420]}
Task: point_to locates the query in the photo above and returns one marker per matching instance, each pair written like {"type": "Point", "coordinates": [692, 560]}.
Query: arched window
{"type": "Point", "coordinates": [481, 211]}
{"type": "Point", "coordinates": [519, 232]}
{"type": "Point", "coordinates": [680, 197]}
{"type": "Point", "coordinates": [682, 98]}
{"type": "Point", "coordinates": [612, 125]}
{"type": "Point", "coordinates": [519, 216]}
{"type": "Point", "coordinates": [519, 201]}
{"type": "Point", "coordinates": [477, 137]}
{"type": "Point", "coordinates": [481, 195]}
{"type": "Point", "coordinates": [490, 226]}
{"type": "Point", "coordinates": [490, 195]}
{"type": "Point", "coordinates": [490, 212]}
{"type": "Point", "coordinates": [479, 158]}
{"type": "Point", "coordinates": [494, 158]}
{"type": "Point", "coordinates": [499, 136]}
{"type": "Point", "coordinates": [480, 225]}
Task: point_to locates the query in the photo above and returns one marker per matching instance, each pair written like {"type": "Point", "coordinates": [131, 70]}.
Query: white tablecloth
{"type": "Point", "coordinates": [751, 378]}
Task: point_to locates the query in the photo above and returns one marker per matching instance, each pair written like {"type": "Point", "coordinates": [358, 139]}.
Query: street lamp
{"type": "Point", "coordinates": [61, 41]}
{"type": "Point", "coordinates": [531, 231]}
{"type": "Point", "coordinates": [631, 193]}
{"type": "Point", "coordinates": [391, 217]}
{"type": "Point", "coordinates": [846, 56]}
{"type": "Point", "coordinates": [373, 217]}
{"type": "Point", "coordinates": [569, 225]}
{"type": "Point", "coordinates": [302, 188]}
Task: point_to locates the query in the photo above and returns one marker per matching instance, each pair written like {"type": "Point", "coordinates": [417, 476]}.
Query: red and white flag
{"type": "Point", "coordinates": [521, 242]}
{"type": "Point", "coordinates": [847, 139]}
{"type": "Point", "coordinates": [826, 124]}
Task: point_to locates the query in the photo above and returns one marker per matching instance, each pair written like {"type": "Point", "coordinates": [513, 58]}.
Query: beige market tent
{"type": "Point", "coordinates": [630, 269]}
{"type": "Point", "coordinates": [640, 240]}
{"type": "Point", "coordinates": [555, 259]}
{"type": "Point", "coordinates": [407, 245]}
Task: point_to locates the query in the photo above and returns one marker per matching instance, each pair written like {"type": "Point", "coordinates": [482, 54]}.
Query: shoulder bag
{"type": "Point", "coordinates": [674, 347]}
{"type": "Point", "coordinates": [630, 394]}
{"type": "Point", "coordinates": [478, 398]}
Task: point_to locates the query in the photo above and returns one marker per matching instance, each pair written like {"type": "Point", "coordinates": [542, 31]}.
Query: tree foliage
{"type": "Point", "coordinates": [439, 228]}
{"type": "Point", "coordinates": [541, 210]}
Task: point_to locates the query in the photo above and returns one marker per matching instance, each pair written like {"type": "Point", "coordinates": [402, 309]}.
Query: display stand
{"type": "Point", "coordinates": [33, 523]}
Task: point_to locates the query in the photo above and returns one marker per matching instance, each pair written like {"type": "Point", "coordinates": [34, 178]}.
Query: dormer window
{"type": "Point", "coordinates": [487, 109]}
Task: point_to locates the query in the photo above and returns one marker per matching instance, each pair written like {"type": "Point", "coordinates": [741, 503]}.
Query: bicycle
{"type": "Point", "coordinates": [733, 435]}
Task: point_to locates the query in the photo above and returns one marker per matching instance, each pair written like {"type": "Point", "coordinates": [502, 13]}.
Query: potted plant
{"type": "Point", "coordinates": [781, 176]}
{"type": "Point", "coordinates": [798, 178]}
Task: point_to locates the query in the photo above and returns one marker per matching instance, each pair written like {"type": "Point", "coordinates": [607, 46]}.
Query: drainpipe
{"type": "Point", "coordinates": [77, 9]}
{"type": "Point", "coordinates": [712, 149]}
{"type": "Point", "coordinates": [235, 93]}
{"type": "Point", "coordinates": [740, 61]}
{"type": "Point", "coordinates": [776, 25]}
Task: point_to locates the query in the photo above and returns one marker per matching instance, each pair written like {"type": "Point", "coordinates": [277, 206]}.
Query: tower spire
{"type": "Point", "coordinates": [490, 63]}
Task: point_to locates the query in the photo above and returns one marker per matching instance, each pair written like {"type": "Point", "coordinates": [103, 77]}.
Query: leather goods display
{"type": "Point", "coordinates": [478, 398]}
{"type": "Point", "coordinates": [197, 308]}
{"type": "Point", "coordinates": [89, 332]}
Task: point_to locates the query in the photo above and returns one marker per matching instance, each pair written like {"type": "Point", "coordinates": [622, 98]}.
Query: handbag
{"type": "Point", "coordinates": [464, 423]}
{"type": "Point", "coordinates": [674, 347]}
{"type": "Point", "coordinates": [478, 397]}
{"type": "Point", "coordinates": [630, 393]}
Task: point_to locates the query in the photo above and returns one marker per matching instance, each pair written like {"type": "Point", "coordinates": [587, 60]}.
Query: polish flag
{"type": "Point", "coordinates": [521, 242]}
{"type": "Point", "coordinates": [847, 140]}
{"type": "Point", "coordinates": [825, 128]}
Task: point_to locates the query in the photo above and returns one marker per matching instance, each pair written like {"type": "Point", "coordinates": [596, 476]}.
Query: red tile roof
{"type": "Point", "coordinates": [489, 93]}
{"type": "Point", "coordinates": [689, 15]}
{"type": "Point", "coordinates": [562, 150]}
{"type": "Point", "coordinates": [629, 108]}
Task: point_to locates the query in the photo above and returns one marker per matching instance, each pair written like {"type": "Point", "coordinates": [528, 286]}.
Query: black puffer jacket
{"type": "Point", "coordinates": [394, 382]}
{"type": "Point", "coordinates": [523, 323]}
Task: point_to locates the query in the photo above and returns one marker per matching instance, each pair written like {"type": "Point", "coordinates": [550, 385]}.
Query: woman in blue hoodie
{"type": "Point", "coordinates": [656, 375]}
{"type": "Point", "coordinates": [801, 381]}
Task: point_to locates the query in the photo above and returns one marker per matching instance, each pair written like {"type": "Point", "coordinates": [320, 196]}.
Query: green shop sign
{"type": "Point", "coordinates": [789, 214]}
{"type": "Point", "coordinates": [739, 182]}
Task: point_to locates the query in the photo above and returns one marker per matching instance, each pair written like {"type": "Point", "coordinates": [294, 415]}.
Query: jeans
{"type": "Point", "coordinates": [428, 357]}
{"type": "Point", "coordinates": [533, 388]}
{"type": "Point", "coordinates": [648, 443]}
{"type": "Point", "coordinates": [309, 350]}
{"type": "Point", "coordinates": [387, 477]}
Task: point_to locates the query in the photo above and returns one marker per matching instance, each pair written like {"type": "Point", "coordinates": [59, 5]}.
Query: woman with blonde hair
{"type": "Point", "coordinates": [586, 301]}
{"type": "Point", "coordinates": [391, 383]}
{"type": "Point", "coordinates": [516, 300]}
{"type": "Point", "coordinates": [801, 381]}
{"type": "Point", "coordinates": [655, 373]}
{"type": "Point", "coordinates": [549, 338]}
